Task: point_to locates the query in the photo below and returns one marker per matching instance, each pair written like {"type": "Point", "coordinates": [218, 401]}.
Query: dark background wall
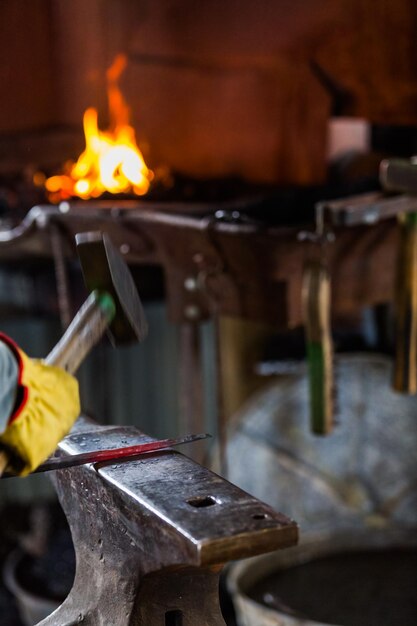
{"type": "Point", "coordinates": [216, 88]}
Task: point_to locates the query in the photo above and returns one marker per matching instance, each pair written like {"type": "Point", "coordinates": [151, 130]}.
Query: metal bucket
{"type": "Point", "coordinates": [261, 596]}
{"type": "Point", "coordinates": [354, 489]}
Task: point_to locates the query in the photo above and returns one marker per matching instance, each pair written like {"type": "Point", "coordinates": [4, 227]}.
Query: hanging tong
{"type": "Point", "coordinates": [401, 176]}
{"type": "Point", "coordinates": [316, 306]}
{"type": "Point", "coordinates": [316, 297]}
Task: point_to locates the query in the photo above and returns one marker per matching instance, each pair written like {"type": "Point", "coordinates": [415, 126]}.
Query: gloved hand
{"type": "Point", "coordinates": [46, 406]}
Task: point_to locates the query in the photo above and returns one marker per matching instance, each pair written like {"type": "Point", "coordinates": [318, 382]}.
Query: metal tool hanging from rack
{"type": "Point", "coordinates": [399, 180]}
{"type": "Point", "coordinates": [316, 297]}
{"type": "Point", "coordinates": [401, 175]}
{"type": "Point", "coordinates": [316, 306]}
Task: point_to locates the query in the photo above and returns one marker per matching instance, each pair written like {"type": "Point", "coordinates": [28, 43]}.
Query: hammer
{"type": "Point", "coordinates": [113, 306]}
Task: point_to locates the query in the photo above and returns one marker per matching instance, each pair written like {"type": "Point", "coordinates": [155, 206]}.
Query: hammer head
{"type": "Point", "coordinates": [105, 270]}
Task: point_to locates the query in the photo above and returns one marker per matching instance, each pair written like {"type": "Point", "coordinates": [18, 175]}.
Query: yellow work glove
{"type": "Point", "coordinates": [46, 407]}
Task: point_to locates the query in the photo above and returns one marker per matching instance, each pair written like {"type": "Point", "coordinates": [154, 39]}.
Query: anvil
{"type": "Point", "coordinates": [151, 535]}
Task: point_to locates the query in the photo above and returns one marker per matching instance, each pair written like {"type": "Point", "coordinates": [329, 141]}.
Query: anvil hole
{"type": "Point", "coordinates": [173, 618]}
{"type": "Point", "coordinates": [259, 516]}
{"type": "Point", "coordinates": [202, 501]}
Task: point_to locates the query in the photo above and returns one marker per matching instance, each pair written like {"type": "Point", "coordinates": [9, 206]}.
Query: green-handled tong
{"type": "Point", "coordinates": [316, 306]}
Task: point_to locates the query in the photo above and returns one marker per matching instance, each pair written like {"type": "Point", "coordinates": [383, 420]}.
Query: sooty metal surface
{"type": "Point", "coordinates": [150, 535]}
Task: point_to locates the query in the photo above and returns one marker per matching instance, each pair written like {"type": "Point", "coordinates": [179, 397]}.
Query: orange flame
{"type": "Point", "coordinates": [111, 160]}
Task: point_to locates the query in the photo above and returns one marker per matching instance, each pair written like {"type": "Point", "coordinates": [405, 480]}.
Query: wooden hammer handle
{"type": "Point", "coordinates": [4, 461]}
{"type": "Point", "coordinates": [84, 332]}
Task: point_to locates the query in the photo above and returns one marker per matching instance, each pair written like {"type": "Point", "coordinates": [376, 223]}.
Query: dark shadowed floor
{"type": "Point", "coordinates": [11, 519]}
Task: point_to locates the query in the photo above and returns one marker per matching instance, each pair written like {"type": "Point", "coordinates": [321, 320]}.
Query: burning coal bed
{"type": "Point", "coordinates": [366, 588]}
